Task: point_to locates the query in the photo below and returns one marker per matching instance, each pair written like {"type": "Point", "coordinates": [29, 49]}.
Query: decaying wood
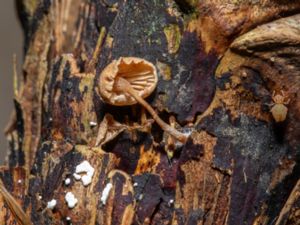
{"type": "Point", "coordinates": [14, 206]}
{"type": "Point", "coordinates": [218, 65]}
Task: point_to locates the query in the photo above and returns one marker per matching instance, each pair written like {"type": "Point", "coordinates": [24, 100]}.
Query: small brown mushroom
{"type": "Point", "coordinates": [128, 81]}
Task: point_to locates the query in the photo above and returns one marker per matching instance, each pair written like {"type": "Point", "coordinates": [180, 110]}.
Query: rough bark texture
{"type": "Point", "coordinates": [218, 64]}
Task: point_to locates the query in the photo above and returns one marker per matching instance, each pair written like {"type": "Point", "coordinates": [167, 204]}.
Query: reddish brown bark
{"type": "Point", "coordinates": [218, 64]}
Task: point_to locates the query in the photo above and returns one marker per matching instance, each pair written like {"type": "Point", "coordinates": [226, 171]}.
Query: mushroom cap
{"type": "Point", "coordinates": [140, 73]}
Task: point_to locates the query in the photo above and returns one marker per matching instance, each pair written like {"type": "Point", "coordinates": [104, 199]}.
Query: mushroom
{"type": "Point", "coordinates": [128, 81]}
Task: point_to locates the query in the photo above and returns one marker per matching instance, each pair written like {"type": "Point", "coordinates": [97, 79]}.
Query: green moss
{"type": "Point", "coordinates": [173, 37]}
{"type": "Point", "coordinates": [193, 3]}
{"type": "Point", "coordinates": [31, 6]}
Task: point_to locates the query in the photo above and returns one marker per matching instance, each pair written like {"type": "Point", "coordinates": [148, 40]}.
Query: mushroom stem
{"type": "Point", "coordinates": [122, 85]}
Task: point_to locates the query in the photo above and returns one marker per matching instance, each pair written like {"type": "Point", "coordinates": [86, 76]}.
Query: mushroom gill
{"type": "Point", "coordinates": [128, 81]}
{"type": "Point", "coordinates": [139, 73]}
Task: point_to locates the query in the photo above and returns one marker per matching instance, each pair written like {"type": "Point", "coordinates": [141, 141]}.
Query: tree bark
{"type": "Point", "coordinates": [222, 68]}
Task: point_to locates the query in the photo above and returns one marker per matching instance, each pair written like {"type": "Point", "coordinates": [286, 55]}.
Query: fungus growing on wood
{"type": "Point", "coordinates": [128, 81]}
{"type": "Point", "coordinates": [71, 200]}
{"type": "Point", "coordinates": [51, 204]}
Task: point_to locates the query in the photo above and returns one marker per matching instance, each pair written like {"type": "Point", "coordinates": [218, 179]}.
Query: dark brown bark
{"type": "Point", "coordinates": [219, 63]}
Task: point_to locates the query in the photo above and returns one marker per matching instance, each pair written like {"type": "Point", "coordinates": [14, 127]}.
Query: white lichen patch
{"type": "Point", "coordinates": [68, 219]}
{"type": "Point", "coordinates": [93, 123]}
{"type": "Point", "coordinates": [71, 200]}
{"type": "Point", "coordinates": [105, 193]}
{"type": "Point", "coordinates": [51, 204]}
{"type": "Point", "coordinates": [86, 180]}
{"type": "Point", "coordinates": [67, 181]}
{"type": "Point", "coordinates": [77, 176]}
{"type": "Point", "coordinates": [141, 196]}
{"type": "Point", "coordinates": [84, 167]}
{"type": "Point", "coordinates": [171, 202]}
